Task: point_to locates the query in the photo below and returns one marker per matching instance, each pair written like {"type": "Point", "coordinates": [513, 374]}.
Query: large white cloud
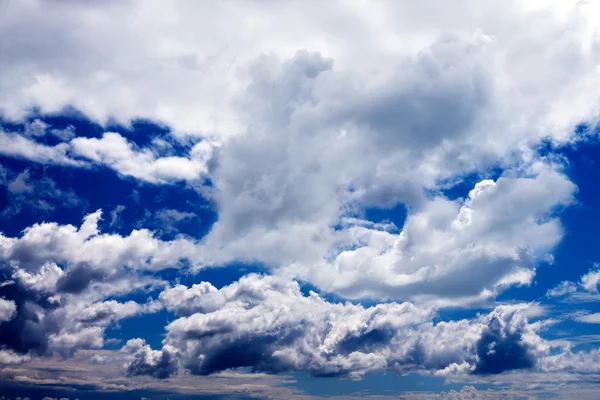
{"type": "Point", "coordinates": [60, 290]}
{"type": "Point", "coordinates": [309, 136]}
{"type": "Point", "coordinates": [266, 323]}
{"type": "Point", "coordinates": [494, 237]}
{"type": "Point", "coordinates": [179, 63]}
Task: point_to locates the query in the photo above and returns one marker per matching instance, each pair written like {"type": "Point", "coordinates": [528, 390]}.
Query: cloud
{"type": "Point", "coordinates": [583, 362]}
{"type": "Point", "coordinates": [115, 152]}
{"type": "Point", "coordinates": [156, 363]}
{"type": "Point", "coordinates": [564, 288]}
{"type": "Point", "coordinates": [593, 318]}
{"type": "Point", "coordinates": [44, 321]}
{"type": "Point", "coordinates": [502, 346]}
{"type": "Point", "coordinates": [187, 80]}
{"type": "Point", "coordinates": [267, 324]}
{"type": "Point", "coordinates": [390, 104]}
{"type": "Point", "coordinates": [586, 290]}
{"type": "Point", "coordinates": [114, 214]}
{"type": "Point", "coordinates": [8, 310]}
{"type": "Point", "coordinates": [107, 377]}
{"type": "Point", "coordinates": [494, 236]}
{"type": "Point", "coordinates": [351, 144]}
{"type": "Point", "coordinates": [321, 134]}
{"type": "Point", "coordinates": [67, 244]}
{"type": "Point", "coordinates": [14, 145]}
{"type": "Point", "coordinates": [54, 303]}
{"type": "Point", "coordinates": [591, 280]}
{"type": "Point", "coordinates": [466, 393]}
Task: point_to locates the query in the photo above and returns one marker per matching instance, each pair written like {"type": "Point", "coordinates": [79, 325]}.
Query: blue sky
{"type": "Point", "coordinates": [299, 200]}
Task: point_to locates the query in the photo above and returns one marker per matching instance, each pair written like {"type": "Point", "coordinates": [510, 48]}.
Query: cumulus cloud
{"type": "Point", "coordinates": [267, 324]}
{"type": "Point", "coordinates": [321, 133]}
{"type": "Point", "coordinates": [494, 236]}
{"type": "Point", "coordinates": [51, 302]}
{"type": "Point", "coordinates": [45, 321]}
{"type": "Point", "coordinates": [101, 252]}
{"type": "Point", "coordinates": [157, 363]}
{"type": "Point", "coordinates": [591, 280]}
{"type": "Point", "coordinates": [390, 104]}
{"type": "Point", "coordinates": [280, 195]}
{"type": "Point", "coordinates": [187, 80]}
{"type": "Point", "coordinates": [8, 308]}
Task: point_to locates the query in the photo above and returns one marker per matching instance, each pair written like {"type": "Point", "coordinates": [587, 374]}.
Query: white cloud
{"type": "Point", "coordinates": [583, 362]}
{"type": "Point", "coordinates": [189, 74]}
{"type": "Point", "coordinates": [564, 288]}
{"type": "Point", "coordinates": [66, 282]}
{"type": "Point", "coordinates": [51, 242]}
{"type": "Point", "coordinates": [8, 309]}
{"type": "Point", "coordinates": [389, 103]}
{"type": "Point", "coordinates": [264, 322]}
{"type": "Point", "coordinates": [157, 363]}
{"type": "Point", "coordinates": [115, 152]}
{"type": "Point", "coordinates": [591, 280]}
{"type": "Point", "coordinates": [586, 290]}
{"type": "Point", "coordinates": [379, 113]}
{"type": "Point", "coordinates": [494, 237]}
{"type": "Point", "coordinates": [593, 318]}
{"type": "Point", "coordinates": [15, 145]}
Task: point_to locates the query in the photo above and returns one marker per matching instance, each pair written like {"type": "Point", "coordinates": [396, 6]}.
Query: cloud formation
{"type": "Point", "coordinates": [267, 324]}
{"type": "Point", "coordinates": [113, 151]}
{"type": "Point", "coordinates": [294, 121]}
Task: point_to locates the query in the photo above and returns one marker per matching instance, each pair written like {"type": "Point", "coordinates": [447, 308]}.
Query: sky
{"type": "Point", "coordinates": [299, 199]}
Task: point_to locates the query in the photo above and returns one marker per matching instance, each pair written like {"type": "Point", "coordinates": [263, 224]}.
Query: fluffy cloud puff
{"type": "Point", "coordinates": [322, 144]}
{"type": "Point", "coordinates": [54, 302]}
{"type": "Point", "coordinates": [157, 363]}
{"type": "Point", "coordinates": [8, 308]}
{"type": "Point", "coordinates": [100, 252]}
{"type": "Point", "coordinates": [494, 236]}
{"type": "Point", "coordinates": [46, 320]}
{"type": "Point", "coordinates": [266, 323]}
